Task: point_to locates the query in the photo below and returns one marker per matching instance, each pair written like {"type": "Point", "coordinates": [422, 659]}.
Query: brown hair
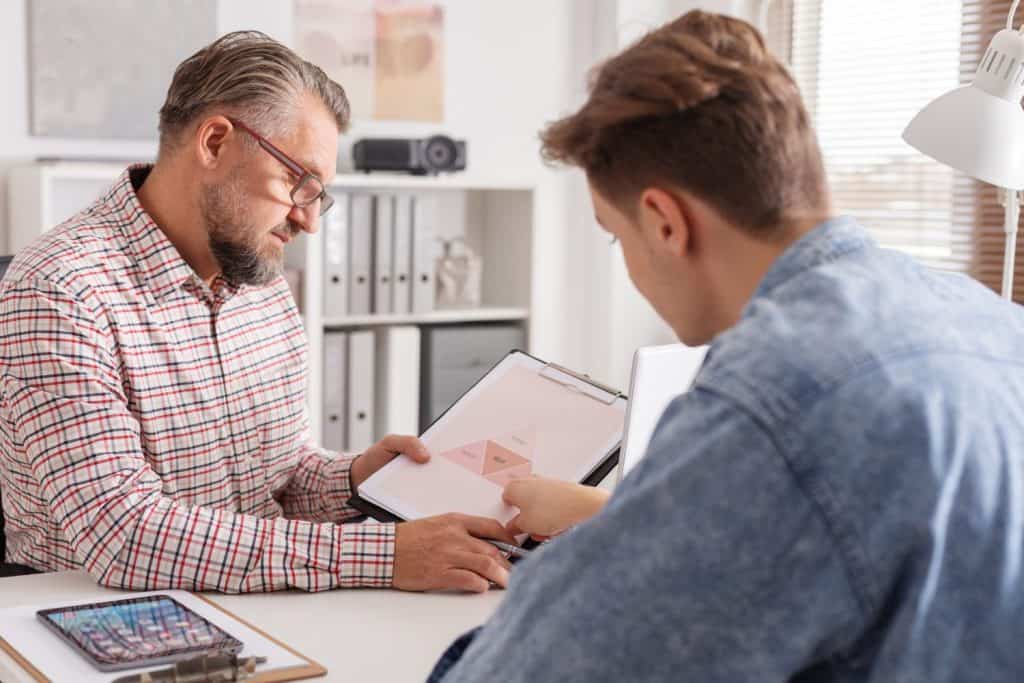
{"type": "Point", "coordinates": [702, 105]}
{"type": "Point", "coordinates": [254, 77]}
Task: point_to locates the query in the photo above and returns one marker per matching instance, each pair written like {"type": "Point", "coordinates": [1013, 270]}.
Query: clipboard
{"type": "Point", "coordinates": [307, 669]}
{"type": "Point", "coordinates": [549, 371]}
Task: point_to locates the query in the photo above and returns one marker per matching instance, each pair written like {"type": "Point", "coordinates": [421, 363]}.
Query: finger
{"type": "Point", "coordinates": [485, 548]}
{"type": "Point", "coordinates": [514, 492]}
{"type": "Point", "coordinates": [483, 527]}
{"type": "Point", "coordinates": [464, 580]}
{"type": "Point", "coordinates": [483, 565]}
{"type": "Point", "coordinates": [513, 527]}
{"type": "Point", "coordinates": [409, 446]}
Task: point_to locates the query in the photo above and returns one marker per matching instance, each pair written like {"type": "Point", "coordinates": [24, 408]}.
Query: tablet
{"type": "Point", "coordinates": [525, 417]}
{"type": "Point", "coordinates": [137, 632]}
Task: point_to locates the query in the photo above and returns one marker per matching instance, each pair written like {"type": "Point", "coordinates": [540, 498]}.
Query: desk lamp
{"type": "Point", "coordinates": [979, 129]}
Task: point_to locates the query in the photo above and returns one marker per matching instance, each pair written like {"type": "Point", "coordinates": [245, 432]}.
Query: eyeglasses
{"type": "Point", "coordinates": [309, 188]}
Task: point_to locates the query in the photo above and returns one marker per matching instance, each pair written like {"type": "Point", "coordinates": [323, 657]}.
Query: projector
{"type": "Point", "coordinates": [418, 156]}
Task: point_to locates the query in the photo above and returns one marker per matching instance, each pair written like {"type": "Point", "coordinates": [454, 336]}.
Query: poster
{"type": "Point", "coordinates": [338, 36]}
{"type": "Point", "coordinates": [410, 63]}
{"type": "Point", "coordinates": [387, 55]}
{"type": "Point", "coordinates": [100, 69]}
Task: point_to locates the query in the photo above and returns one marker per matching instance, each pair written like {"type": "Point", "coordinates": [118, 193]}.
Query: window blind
{"type": "Point", "coordinates": [865, 69]}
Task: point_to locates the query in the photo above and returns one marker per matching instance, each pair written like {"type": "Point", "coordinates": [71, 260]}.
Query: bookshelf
{"type": "Point", "coordinates": [495, 216]}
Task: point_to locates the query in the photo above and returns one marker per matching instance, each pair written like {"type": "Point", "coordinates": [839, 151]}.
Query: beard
{"type": "Point", "coordinates": [243, 251]}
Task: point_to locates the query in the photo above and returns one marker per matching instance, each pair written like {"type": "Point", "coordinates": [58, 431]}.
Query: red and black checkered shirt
{"type": "Point", "coordinates": [154, 430]}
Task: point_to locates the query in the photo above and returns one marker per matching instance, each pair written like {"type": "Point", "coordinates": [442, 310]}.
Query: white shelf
{"type": "Point", "coordinates": [434, 317]}
{"type": "Point", "coordinates": [82, 170]}
{"type": "Point", "coordinates": [455, 181]}
{"type": "Point", "coordinates": [460, 180]}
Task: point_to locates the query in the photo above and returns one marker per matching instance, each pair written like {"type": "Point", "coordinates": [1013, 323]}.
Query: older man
{"type": "Point", "coordinates": [153, 365]}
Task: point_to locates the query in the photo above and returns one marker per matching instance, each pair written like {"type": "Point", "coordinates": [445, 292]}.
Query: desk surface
{"type": "Point", "coordinates": [368, 635]}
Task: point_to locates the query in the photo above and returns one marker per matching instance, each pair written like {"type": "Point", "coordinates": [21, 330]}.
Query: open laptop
{"type": "Point", "coordinates": [660, 373]}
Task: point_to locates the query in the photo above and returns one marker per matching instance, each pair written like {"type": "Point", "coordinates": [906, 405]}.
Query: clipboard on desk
{"type": "Point", "coordinates": [44, 657]}
{"type": "Point", "coordinates": [524, 417]}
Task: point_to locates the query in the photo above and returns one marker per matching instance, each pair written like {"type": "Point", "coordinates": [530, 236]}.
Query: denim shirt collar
{"type": "Point", "coordinates": [826, 242]}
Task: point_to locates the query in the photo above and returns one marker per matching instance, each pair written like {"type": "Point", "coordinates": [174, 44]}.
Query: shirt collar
{"type": "Point", "coordinates": [826, 242]}
{"type": "Point", "coordinates": [162, 267]}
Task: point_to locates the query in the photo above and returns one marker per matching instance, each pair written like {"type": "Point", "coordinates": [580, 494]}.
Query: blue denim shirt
{"type": "Point", "coordinates": [839, 498]}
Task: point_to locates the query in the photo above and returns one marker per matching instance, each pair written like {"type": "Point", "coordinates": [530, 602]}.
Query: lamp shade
{"type": "Point", "coordinates": [979, 128]}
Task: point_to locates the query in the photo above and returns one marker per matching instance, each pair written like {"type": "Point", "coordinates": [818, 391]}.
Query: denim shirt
{"type": "Point", "coordinates": [840, 497]}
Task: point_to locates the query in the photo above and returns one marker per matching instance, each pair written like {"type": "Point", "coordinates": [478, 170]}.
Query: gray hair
{"type": "Point", "coordinates": [253, 77]}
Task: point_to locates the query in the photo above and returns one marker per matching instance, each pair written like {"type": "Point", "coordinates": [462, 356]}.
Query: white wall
{"type": "Point", "coordinates": [508, 71]}
{"type": "Point", "coordinates": [511, 66]}
{"type": "Point", "coordinates": [616, 320]}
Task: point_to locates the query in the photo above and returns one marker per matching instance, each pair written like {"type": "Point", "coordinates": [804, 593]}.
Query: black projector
{"type": "Point", "coordinates": [418, 156]}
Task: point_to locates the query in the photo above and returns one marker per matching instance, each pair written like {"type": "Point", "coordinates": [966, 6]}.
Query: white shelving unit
{"type": "Point", "coordinates": [495, 216]}
{"type": "Point", "coordinates": [470, 315]}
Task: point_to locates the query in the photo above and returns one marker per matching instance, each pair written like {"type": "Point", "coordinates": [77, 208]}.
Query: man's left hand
{"type": "Point", "coordinates": [382, 453]}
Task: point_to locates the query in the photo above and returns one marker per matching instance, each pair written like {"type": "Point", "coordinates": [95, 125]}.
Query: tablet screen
{"type": "Point", "coordinates": [137, 631]}
{"type": "Point", "coordinates": [523, 418]}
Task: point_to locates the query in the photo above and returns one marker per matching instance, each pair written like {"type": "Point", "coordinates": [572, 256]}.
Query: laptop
{"type": "Point", "coordinates": [660, 373]}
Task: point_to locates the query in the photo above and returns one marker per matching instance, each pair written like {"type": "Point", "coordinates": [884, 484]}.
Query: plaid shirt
{"type": "Point", "coordinates": [154, 430]}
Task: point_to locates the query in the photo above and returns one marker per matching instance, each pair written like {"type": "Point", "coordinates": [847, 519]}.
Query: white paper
{"type": "Point", "coordinates": [514, 423]}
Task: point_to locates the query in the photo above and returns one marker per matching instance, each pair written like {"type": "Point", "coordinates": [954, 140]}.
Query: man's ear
{"type": "Point", "coordinates": [211, 135]}
{"type": "Point", "coordinates": [664, 220]}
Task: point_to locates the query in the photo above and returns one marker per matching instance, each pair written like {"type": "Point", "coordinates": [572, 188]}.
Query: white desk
{"type": "Point", "coordinates": [358, 635]}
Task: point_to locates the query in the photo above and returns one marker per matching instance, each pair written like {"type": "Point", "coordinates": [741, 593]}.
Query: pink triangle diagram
{"type": "Point", "coordinates": [491, 460]}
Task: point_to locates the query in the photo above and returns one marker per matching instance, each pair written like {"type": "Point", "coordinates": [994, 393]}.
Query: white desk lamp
{"type": "Point", "coordinates": [979, 129]}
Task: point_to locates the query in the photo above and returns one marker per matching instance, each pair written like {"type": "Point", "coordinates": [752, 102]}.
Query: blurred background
{"type": "Point", "coordinates": [82, 81]}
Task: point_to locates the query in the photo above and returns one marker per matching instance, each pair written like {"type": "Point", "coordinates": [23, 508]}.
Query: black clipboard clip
{"type": "Point", "coordinates": [545, 373]}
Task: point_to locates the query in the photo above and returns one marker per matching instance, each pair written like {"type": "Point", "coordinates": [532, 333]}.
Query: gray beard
{"type": "Point", "coordinates": [231, 234]}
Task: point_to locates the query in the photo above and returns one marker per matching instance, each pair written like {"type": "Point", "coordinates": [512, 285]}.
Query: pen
{"type": "Point", "coordinates": [509, 548]}
{"type": "Point", "coordinates": [210, 667]}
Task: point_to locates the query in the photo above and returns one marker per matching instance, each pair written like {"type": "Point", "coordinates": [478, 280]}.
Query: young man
{"type": "Point", "coordinates": [840, 497]}
{"type": "Point", "coordinates": [153, 365]}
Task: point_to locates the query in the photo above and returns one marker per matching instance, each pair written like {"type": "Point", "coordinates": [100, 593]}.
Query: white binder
{"type": "Point", "coordinates": [402, 255]}
{"type": "Point", "coordinates": [335, 287]}
{"type": "Point", "coordinates": [360, 253]}
{"type": "Point", "coordinates": [423, 229]}
{"type": "Point", "coordinates": [335, 390]}
{"type": "Point", "coordinates": [398, 380]}
{"type": "Point", "coordinates": [383, 256]}
{"type": "Point", "coordinates": [360, 391]}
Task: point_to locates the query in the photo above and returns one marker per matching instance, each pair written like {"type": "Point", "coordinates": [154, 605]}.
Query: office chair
{"type": "Point", "coordinates": [8, 569]}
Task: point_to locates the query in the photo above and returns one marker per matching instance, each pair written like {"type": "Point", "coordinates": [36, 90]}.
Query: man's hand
{"type": "Point", "coordinates": [381, 454]}
{"type": "Point", "coordinates": [547, 507]}
{"type": "Point", "coordinates": [445, 552]}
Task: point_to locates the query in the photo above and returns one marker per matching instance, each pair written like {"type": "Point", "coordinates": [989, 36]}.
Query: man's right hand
{"type": "Point", "coordinates": [446, 552]}
{"type": "Point", "coordinates": [547, 507]}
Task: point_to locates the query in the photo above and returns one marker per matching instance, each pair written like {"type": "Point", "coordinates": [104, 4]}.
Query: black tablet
{"type": "Point", "coordinates": [137, 632]}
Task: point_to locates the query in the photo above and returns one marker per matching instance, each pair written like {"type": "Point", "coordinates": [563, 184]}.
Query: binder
{"type": "Point", "coordinates": [336, 275]}
{"type": "Point", "coordinates": [383, 256]}
{"type": "Point", "coordinates": [423, 229]}
{"type": "Point", "coordinates": [398, 380]}
{"type": "Point", "coordinates": [360, 254]}
{"type": "Point", "coordinates": [360, 391]}
{"type": "Point", "coordinates": [335, 389]}
{"type": "Point", "coordinates": [402, 256]}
